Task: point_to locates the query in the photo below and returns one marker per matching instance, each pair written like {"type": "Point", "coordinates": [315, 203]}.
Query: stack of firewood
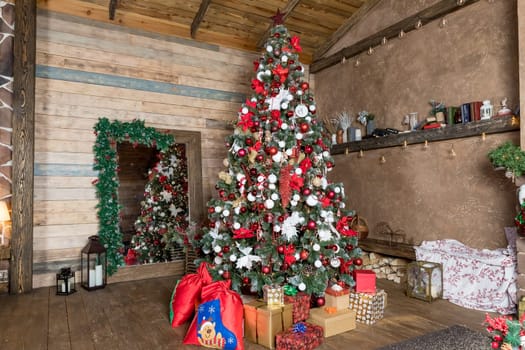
{"type": "Point", "coordinates": [391, 268]}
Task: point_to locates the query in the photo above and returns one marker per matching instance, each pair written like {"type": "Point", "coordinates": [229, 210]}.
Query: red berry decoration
{"type": "Point", "coordinates": [259, 158]}
{"type": "Point", "coordinates": [358, 261]}
{"type": "Point", "coordinates": [307, 192]}
{"type": "Point", "coordinates": [331, 194]}
{"type": "Point", "coordinates": [311, 225]}
{"type": "Point", "coordinates": [304, 127]}
{"type": "Point", "coordinates": [280, 249]}
{"type": "Point", "coordinates": [231, 196]}
{"type": "Point", "coordinates": [303, 255]}
{"type": "Point", "coordinates": [265, 270]}
{"type": "Point", "coordinates": [293, 89]}
{"type": "Point", "coordinates": [241, 152]}
{"type": "Point", "coordinates": [304, 85]}
{"type": "Point", "coordinates": [211, 210]}
{"type": "Point", "coordinates": [226, 275]}
{"type": "Point", "coordinates": [245, 280]}
{"type": "Point", "coordinates": [308, 149]}
{"type": "Point", "coordinates": [349, 247]}
{"type": "Point", "coordinates": [495, 345]}
{"type": "Point", "coordinates": [243, 210]}
{"type": "Point", "coordinates": [226, 249]}
{"type": "Point", "coordinates": [320, 301]}
{"type": "Point", "coordinates": [249, 141]}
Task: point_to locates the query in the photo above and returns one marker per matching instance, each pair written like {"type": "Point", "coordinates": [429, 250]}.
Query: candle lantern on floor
{"type": "Point", "coordinates": [93, 265]}
{"type": "Point", "coordinates": [425, 280]}
{"type": "Point", "coordinates": [66, 281]}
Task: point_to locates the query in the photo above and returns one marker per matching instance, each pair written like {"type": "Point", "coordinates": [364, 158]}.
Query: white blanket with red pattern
{"type": "Point", "coordinates": [476, 279]}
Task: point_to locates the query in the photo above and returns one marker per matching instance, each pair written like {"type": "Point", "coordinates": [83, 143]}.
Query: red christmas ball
{"type": "Point", "coordinates": [220, 254]}
{"type": "Point", "coordinates": [284, 267]}
{"type": "Point", "coordinates": [280, 249]}
{"type": "Point", "coordinates": [211, 225]}
{"type": "Point", "coordinates": [293, 89]}
{"type": "Point", "coordinates": [331, 194]}
{"type": "Point", "coordinates": [241, 152]}
{"type": "Point", "coordinates": [249, 141]}
{"type": "Point", "coordinates": [268, 217]}
{"type": "Point", "coordinates": [272, 150]}
{"type": "Point", "coordinates": [265, 270]}
{"type": "Point", "coordinates": [245, 280]}
{"type": "Point", "coordinates": [270, 60]}
{"type": "Point", "coordinates": [231, 197]}
{"type": "Point", "coordinates": [349, 247]}
{"type": "Point", "coordinates": [495, 345]}
{"type": "Point", "coordinates": [320, 301]}
{"type": "Point", "coordinates": [308, 149]}
{"type": "Point", "coordinates": [253, 171]}
{"type": "Point", "coordinates": [243, 210]}
{"type": "Point", "coordinates": [261, 206]}
{"type": "Point", "coordinates": [329, 165]}
{"type": "Point", "coordinates": [291, 61]}
{"type": "Point", "coordinates": [311, 225]}
{"type": "Point", "coordinates": [307, 191]}
{"type": "Point", "coordinates": [222, 193]}
{"type": "Point", "coordinates": [281, 218]}
{"type": "Point", "coordinates": [259, 158]}
{"type": "Point", "coordinates": [289, 114]}
{"type": "Point", "coordinates": [226, 249]}
{"type": "Point", "coordinates": [358, 261]}
{"type": "Point", "coordinates": [255, 226]}
{"type": "Point", "coordinates": [254, 129]}
{"type": "Point", "coordinates": [277, 35]}
{"type": "Point", "coordinates": [304, 127]}
{"type": "Point", "coordinates": [304, 85]}
{"type": "Point", "coordinates": [211, 210]}
{"type": "Point", "coordinates": [303, 255]}
{"type": "Point", "coordinates": [226, 275]}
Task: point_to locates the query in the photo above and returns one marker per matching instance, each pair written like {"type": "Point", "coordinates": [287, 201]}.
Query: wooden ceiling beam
{"type": "Point", "coordinates": [112, 9]}
{"type": "Point", "coordinates": [438, 10]}
{"type": "Point", "coordinates": [199, 17]}
{"type": "Point", "coordinates": [345, 27]}
{"type": "Point", "coordinates": [290, 6]}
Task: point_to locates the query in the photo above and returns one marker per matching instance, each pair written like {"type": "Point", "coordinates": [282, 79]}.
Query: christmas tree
{"type": "Point", "coordinates": [276, 218]}
{"type": "Point", "coordinates": [164, 211]}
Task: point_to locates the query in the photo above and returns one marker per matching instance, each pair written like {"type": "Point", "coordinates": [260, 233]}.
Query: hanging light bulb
{"type": "Point", "coordinates": [425, 147]}
{"type": "Point", "coordinates": [382, 159]}
{"type": "Point", "coordinates": [401, 34]}
{"type": "Point", "coordinates": [370, 51]}
{"type": "Point", "coordinates": [384, 41]}
{"type": "Point", "coordinates": [357, 62]}
{"type": "Point", "coordinates": [460, 2]}
{"type": "Point", "coordinates": [405, 144]}
{"type": "Point", "coordinates": [443, 22]}
{"type": "Point", "coordinates": [343, 60]}
{"type": "Point", "coordinates": [361, 154]}
{"type": "Point", "coordinates": [347, 151]}
{"type": "Point", "coordinates": [483, 136]}
{"type": "Point", "coordinates": [419, 24]}
{"type": "Point", "coordinates": [452, 151]}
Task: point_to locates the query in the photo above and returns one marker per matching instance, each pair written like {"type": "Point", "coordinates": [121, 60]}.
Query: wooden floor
{"type": "Point", "coordinates": [134, 315]}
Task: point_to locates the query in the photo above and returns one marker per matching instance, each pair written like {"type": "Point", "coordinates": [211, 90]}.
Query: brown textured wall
{"type": "Point", "coordinates": [428, 193]}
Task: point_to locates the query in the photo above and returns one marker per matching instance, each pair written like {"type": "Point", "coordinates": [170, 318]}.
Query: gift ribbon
{"type": "Point", "coordinates": [290, 290]}
{"type": "Point", "coordinates": [330, 310]}
{"type": "Point", "coordinates": [299, 327]}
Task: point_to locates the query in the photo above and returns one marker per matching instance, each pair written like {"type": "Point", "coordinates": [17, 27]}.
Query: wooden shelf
{"type": "Point", "coordinates": [492, 126]}
{"type": "Point", "coordinates": [400, 250]}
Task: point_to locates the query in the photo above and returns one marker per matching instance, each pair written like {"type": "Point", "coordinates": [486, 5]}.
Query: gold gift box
{"type": "Point", "coordinates": [273, 294]}
{"type": "Point", "coordinates": [336, 323]}
{"type": "Point", "coordinates": [262, 322]}
{"type": "Point", "coordinates": [369, 307]}
{"type": "Point", "coordinates": [340, 302]}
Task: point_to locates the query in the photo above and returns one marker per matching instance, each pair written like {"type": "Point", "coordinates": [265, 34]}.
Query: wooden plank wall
{"type": "Point", "coordinates": [86, 70]}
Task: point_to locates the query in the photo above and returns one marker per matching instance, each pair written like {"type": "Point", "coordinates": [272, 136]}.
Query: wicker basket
{"type": "Point", "coordinates": [360, 225]}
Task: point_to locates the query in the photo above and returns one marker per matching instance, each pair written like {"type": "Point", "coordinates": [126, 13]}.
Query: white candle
{"type": "Point", "coordinates": [91, 278]}
{"type": "Point", "coordinates": [98, 275]}
{"type": "Point", "coordinates": [63, 287]}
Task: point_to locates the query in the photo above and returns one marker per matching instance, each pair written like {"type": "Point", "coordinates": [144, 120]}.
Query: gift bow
{"type": "Point", "coordinates": [299, 327]}
{"type": "Point", "coordinates": [290, 290]}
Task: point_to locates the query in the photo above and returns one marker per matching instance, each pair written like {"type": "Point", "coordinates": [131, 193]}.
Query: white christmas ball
{"type": "Point", "coordinates": [239, 176]}
{"type": "Point", "coordinates": [284, 105]}
{"type": "Point", "coordinates": [236, 226]}
{"type": "Point", "coordinates": [326, 154]}
{"type": "Point", "coordinates": [296, 197]}
{"type": "Point", "coordinates": [312, 200]}
{"type": "Point", "coordinates": [220, 272]}
{"type": "Point", "coordinates": [337, 189]}
{"type": "Point", "coordinates": [226, 213]}
{"type": "Point", "coordinates": [260, 178]}
{"type": "Point", "coordinates": [318, 264]}
{"type": "Point", "coordinates": [289, 97]}
{"type": "Point", "coordinates": [269, 48]}
{"type": "Point", "coordinates": [337, 248]}
{"type": "Point", "coordinates": [311, 108]}
{"type": "Point", "coordinates": [293, 203]}
{"type": "Point", "coordinates": [276, 228]}
{"type": "Point", "coordinates": [226, 162]}
{"type": "Point", "coordinates": [237, 210]}
{"type": "Point", "coordinates": [217, 260]}
{"type": "Point", "coordinates": [277, 157]}
{"type": "Point", "coordinates": [342, 205]}
{"type": "Point", "coordinates": [272, 178]}
{"type": "Point", "coordinates": [299, 92]}
{"type": "Point", "coordinates": [335, 263]}
{"type": "Point", "coordinates": [288, 152]}
{"type": "Point", "coordinates": [269, 204]}
{"type": "Point", "coordinates": [251, 197]}
{"type": "Point", "coordinates": [316, 247]}
{"type": "Point", "coordinates": [272, 186]}
{"type": "Point", "coordinates": [217, 248]}
{"type": "Point", "coordinates": [244, 110]}
{"type": "Point", "coordinates": [298, 171]}
{"type": "Point", "coordinates": [274, 196]}
{"type": "Point", "coordinates": [206, 251]}
{"type": "Point", "coordinates": [260, 76]}
{"type": "Point", "coordinates": [299, 136]}
{"type": "Point", "coordinates": [301, 287]}
{"type": "Point", "coordinates": [233, 258]}
{"type": "Point", "coordinates": [297, 256]}
{"type": "Point", "coordinates": [218, 209]}
{"type": "Point", "coordinates": [253, 99]}
{"type": "Point", "coordinates": [317, 182]}
{"type": "Point", "coordinates": [268, 72]}
{"type": "Point", "coordinates": [284, 58]}
{"type": "Point", "coordinates": [284, 126]}
{"type": "Point", "coordinates": [281, 144]}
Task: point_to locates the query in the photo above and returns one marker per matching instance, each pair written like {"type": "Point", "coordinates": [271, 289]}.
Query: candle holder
{"type": "Point", "coordinates": [65, 281]}
{"type": "Point", "coordinates": [93, 265]}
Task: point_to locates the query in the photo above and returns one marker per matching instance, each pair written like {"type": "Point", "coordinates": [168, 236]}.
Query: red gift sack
{"type": "Point", "coordinates": [187, 294]}
{"type": "Point", "coordinates": [218, 322]}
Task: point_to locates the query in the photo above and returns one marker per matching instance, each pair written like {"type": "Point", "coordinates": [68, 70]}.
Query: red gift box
{"type": "Point", "coordinates": [337, 292]}
{"type": "Point", "coordinates": [300, 306]}
{"type": "Point", "coordinates": [291, 339]}
{"type": "Point", "coordinates": [365, 281]}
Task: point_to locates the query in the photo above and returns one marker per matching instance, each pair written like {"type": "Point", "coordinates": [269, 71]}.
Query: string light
{"type": "Point", "coordinates": [401, 34]}
{"type": "Point", "coordinates": [343, 60]}
{"type": "Point", "coordinates": [370, 51]}
{"type": "Point", "coordinates": [443, 22]}
{"type": "Point", "coordinates": [419, 24]}
{"type": "Point", "coordinates": [452, 151]}
{"type": "Point", "coordinates": [382, 159]}
{"type": "Point", "coordinates": [405, 144]}
{"type": "Point", "coordinates": [384, 41]}
{"type": "Point", "coordinates": [425, 147]}
{"type": "Point", "coordinates": [361, 154]}
{"type": "Point", "coordinates": [347, 151]}
{"type": "Point", "coordinates": [483, 136]}
{"type": "Point", "coordinates": [460, 2]}
{"type": "Point", "coordinates": [357, 63]}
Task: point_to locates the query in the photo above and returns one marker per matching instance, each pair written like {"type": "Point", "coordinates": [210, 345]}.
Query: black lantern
{"type": "Point", "coordinates": [66, 281]}
{"type": "Point", "coordinates": [93, 265]}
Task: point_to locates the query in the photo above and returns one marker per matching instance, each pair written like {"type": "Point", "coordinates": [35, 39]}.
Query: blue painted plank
{"type": "Point", "coordinates": [78, 76]}
{"type": "Point", "coordinates": [49, 169]}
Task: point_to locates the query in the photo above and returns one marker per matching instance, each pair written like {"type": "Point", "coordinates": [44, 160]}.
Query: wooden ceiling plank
{"type": "Point", "coordinates": [199, 17]}
{"type": "Point", "coordinates": [438, 10]}
{"type": "Point", "coordinates": [345, 27]}
{"type": "Point", "coordinates": [332, 6]}
{"type": "Point", "coordinates": [112, 9]}
{"type": "Point", "coordinates": [290, 6]}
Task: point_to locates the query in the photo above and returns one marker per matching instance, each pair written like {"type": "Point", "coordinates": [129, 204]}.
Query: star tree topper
{"type": "Point", "coordinates": [278, 18]}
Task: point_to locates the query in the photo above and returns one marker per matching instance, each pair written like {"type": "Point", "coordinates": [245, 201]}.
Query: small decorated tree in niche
{"type": "Point", "coordinates": [164, 210]}
{"type": "Point", "coordinates": [277, 219]}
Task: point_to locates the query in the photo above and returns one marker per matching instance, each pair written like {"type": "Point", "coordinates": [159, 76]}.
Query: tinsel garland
{"type": "Point", "coordinates": [105, 162]}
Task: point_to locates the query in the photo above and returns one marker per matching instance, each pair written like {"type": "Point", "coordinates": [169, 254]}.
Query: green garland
{"type": "Point", "coordinates": [108, 135]}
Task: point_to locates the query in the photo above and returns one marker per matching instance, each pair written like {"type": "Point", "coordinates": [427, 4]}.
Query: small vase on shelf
{"type": "Point", "coordinates": [370, 127]}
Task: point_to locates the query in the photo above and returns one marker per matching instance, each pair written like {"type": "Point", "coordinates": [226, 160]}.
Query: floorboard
{"type": "Point", "coordinates": [135, 316]}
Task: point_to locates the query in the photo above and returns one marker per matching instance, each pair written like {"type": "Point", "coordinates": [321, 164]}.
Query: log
{"type": "Point", "coordinates": [400, 250]}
